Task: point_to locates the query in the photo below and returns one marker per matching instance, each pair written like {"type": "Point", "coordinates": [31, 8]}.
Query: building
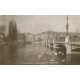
{"type": "Point", "coordinates": [24, 37]}
{"type": "Point", "coordinates": [58, 36]}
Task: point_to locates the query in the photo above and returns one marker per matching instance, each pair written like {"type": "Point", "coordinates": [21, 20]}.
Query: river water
{"type": "Point", "coordinates": [36, 53]}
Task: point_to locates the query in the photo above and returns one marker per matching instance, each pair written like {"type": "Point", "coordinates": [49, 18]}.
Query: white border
{"type": "Point", "coordinates": [39, 7]}
{"type": "Point", "coordinates": [39, 72]}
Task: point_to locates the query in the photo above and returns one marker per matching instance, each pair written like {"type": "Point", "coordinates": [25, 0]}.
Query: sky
{"type": "Point", "coordinates": [41, 23]}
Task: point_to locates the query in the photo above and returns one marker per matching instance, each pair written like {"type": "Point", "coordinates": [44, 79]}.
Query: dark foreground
{"type": "Point", "coordinates": [36, 53]}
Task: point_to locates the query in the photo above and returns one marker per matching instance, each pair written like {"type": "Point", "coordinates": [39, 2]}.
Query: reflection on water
{"type": "Point", "coordinates": [8, 54]}
{"type": "Point", "coordinates": [12, 54]}
{"type": "Point", "coordinates": [36, 53]}
{"type": "Point", "coordinates": [23, 53]}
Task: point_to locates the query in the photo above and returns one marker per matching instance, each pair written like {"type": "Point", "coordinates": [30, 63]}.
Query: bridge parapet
{"type": "Point", "coordinates": [67, 44]}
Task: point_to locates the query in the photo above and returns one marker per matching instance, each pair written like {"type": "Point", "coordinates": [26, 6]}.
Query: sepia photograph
{"type": "Point", "coordinates": [39, 39]}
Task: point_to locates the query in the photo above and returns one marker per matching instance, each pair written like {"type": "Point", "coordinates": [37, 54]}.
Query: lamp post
{"type": "Point", "coordinates": [67, 26]}
{"type": "Point", "coordinates": [67, 42]}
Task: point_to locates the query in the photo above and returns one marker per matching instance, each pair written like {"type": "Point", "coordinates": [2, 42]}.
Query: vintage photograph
{"type": "Point", "coordinates": [39, 39]}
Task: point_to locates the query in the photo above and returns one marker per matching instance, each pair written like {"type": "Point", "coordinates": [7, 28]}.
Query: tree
{"type": "Point", "coordinates": [2, 32]}
{"type": "Point", "coordinates": [2, 28]}
{"type": "Point", "coordinates": [12, 32]}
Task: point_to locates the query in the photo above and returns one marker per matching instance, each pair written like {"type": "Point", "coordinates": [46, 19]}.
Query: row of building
{"type": "Point", "coordinates": [44, 36]}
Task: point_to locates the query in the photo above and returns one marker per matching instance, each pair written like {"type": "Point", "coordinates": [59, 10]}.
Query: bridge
{"type": "Point", "coordinates": [69, 45]}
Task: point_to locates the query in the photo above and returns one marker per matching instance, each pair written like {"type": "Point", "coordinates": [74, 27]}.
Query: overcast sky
{"type": "Point", "coordinates": [37, 24]}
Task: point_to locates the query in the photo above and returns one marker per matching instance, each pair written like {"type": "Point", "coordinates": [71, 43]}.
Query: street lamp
{"type": "Point", "coordinates": [67, 26]}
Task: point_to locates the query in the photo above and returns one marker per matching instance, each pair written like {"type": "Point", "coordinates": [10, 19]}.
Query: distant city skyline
{"type": "Point", "coordinates": [41, 23]}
